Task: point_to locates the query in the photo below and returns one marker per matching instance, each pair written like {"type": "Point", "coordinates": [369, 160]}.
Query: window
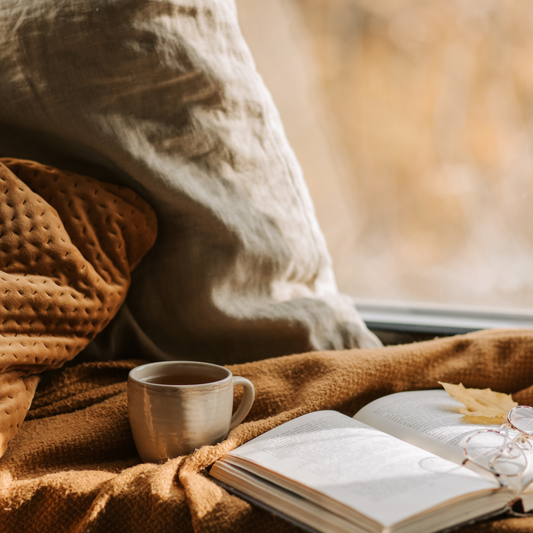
{"type": "Point", "coordinates": [413, 123]}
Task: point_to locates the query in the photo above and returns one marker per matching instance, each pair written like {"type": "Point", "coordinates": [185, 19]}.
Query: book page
{"type": "Point", "coordinates": [431, 420]}
{"type": "Point", "coordinates": [367, 470]}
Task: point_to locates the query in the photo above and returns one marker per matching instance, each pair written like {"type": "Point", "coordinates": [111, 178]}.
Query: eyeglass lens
{"type": "Point", "coordinates": [493, 451]}
{"type": "Point", "coordinates": [521, 418]}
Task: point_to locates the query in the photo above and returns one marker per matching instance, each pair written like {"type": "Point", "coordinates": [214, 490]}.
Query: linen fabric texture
{"type": "Point", "coordinates": [73, 466]}
{"type": "Point", "coordinates": [162, 96]}
{"type": "Point", "coordinates": [67, 246]}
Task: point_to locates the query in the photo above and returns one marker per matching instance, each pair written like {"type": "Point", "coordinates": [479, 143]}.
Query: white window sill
{"type": "Point", "coordinates": [435, 319]}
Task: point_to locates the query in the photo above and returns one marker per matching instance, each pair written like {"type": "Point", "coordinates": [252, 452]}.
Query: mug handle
{"type": "Point", "coordinates": [246, 402]}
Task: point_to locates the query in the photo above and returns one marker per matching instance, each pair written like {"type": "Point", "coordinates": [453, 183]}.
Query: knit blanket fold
{"type": "Point", "coordinates": [67, 246]}
{"type": "Point", "coordinates": [73, 466]}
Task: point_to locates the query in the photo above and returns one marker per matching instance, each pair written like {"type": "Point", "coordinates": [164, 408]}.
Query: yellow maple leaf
{"type": "Point", "coordinates": [481, 406]}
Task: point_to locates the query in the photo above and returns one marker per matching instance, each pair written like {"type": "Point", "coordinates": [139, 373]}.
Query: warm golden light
{"type": "Point", "coordinates": [413, 122]}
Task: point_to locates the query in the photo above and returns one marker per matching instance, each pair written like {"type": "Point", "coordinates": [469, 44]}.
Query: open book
{"type": "Point", "coordinates": [394, 467]}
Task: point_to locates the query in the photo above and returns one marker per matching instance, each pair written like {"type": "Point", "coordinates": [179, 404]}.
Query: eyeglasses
{"type": "Point", "coordinates": [502, 452]}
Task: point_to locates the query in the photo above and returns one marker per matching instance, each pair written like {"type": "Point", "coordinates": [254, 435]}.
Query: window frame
{"type": "Point", "coordinates": [437, 319]}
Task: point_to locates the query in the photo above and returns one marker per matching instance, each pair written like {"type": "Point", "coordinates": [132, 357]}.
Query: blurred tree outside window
{"type": "Point", "coordinates": [413, 123]}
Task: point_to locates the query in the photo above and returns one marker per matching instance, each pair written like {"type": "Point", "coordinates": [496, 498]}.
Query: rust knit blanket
{"type": "Point", "coordinates": [67, 246]}
{"type": "Point", "coordinates": [73, 465]}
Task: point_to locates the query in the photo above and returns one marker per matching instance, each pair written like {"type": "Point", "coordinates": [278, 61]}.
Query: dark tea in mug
{"type": "Point", "coordinates": [181, 379]}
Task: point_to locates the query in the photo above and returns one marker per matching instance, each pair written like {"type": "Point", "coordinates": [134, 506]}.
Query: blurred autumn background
{"type": "Point", "coordinates": [413, 123]}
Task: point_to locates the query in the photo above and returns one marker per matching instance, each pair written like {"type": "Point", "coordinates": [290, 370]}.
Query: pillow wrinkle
{"type": "Point", "coordinates": [67, 246]}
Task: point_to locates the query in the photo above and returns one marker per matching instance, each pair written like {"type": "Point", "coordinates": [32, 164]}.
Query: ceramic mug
{"type": "Point", "coordinates": [177, 406]}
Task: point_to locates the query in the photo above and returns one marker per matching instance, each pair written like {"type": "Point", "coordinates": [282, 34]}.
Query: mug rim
{"type": "Point", "coordinates": [162, 386]}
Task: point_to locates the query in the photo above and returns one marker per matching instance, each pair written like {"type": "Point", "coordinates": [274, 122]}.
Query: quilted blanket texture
{"type": "Point", "coordinates": [67, 246]}
{"type": "Point", "coordinates": [73, 466]}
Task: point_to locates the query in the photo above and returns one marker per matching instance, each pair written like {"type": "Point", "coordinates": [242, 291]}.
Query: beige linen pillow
{"type": "Point", "coordinates": [163, 97]}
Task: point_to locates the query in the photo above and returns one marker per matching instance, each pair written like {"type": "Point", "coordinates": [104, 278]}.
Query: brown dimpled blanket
{"type": "Point", "coordinates": [67, 246]}
{"type": "Point", "coordinates": [73, 467]}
